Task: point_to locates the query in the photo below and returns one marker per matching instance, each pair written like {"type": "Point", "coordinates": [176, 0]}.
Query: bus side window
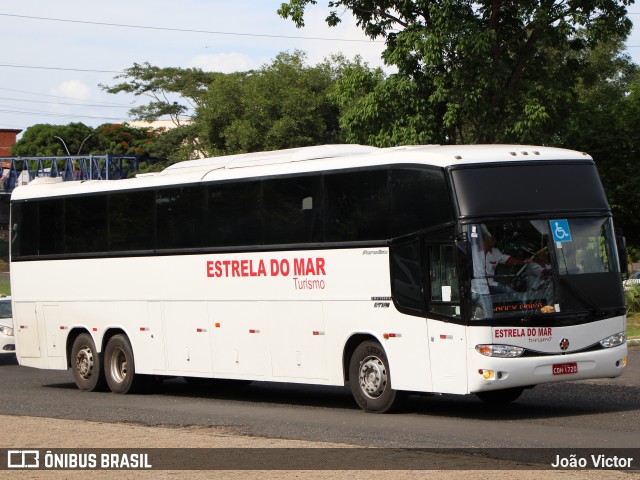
{"type": "Point", "coordinates": [406, 278]}
{"type": "Point", "coordinates": [444, 287]}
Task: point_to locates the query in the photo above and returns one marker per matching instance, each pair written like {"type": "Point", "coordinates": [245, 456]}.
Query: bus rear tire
{"type": "Point", "coordinates": [86, 364]}
{"type": "Point", "coordinates": [500, 397]}
{"type": "Point", "coordinates": [370, 380]}
{"type": "Point", "coordinates": [120, 367]}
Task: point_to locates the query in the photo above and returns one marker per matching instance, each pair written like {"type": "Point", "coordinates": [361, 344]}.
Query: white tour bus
{"type": "Point", "coordinates": [449, 269]}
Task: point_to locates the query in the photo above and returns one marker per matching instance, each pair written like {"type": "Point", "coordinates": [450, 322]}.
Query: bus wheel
{"type": "Point", "coordinates": [86, 364]}
{"type": "Point", "coordinates": [120, 367]}
{"type": "Point", "coordinates": [500, 397]}
{"type": "Point", "coordinates": [370, 379]}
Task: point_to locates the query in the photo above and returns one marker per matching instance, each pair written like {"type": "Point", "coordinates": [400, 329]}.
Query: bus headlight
{"type": "Point", "coordinates": [8, 331]}
{"type": "Point", "coordinates": [501, 351]}
{"type": "Point", "coordinates": [614, 340]}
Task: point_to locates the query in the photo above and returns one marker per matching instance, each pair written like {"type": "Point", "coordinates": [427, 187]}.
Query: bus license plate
{"type": "Point", "coordinates": [565, 368]}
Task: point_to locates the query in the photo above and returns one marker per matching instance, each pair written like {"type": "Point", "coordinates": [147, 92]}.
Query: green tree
{"type": "Point", "coordinates": [155, 145]}
{"type": "Point", "coordinates": [282, 105]}
{"type": "Point", "coordinates": [123, 139]}
{"type": "Point", "coordinates": [174, 93]}
{"type": "Point", "coordinates": [383, 111]}
{"type": "Point", "coordinates": [44, 139]}
{"type": "Point", "coordinates": [605, 122]}
{"type": "Point", "coordinates": [490, 71]}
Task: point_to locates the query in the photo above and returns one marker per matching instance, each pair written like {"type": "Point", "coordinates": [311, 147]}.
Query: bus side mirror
{"type": "Point", "coordinates": [621, 242]}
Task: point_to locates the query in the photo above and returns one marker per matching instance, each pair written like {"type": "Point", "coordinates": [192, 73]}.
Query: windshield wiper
{"type": "Point", "coordinates": [580, 295]}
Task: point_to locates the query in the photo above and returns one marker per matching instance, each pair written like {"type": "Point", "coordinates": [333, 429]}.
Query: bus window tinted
{"type": "Point", "coordinates": [50, 227]}
{"type": "Point", "coordinates": [24, 235]}
{"type": "Point", "coordinates": [357, 206]}
{"type": "Point", "coordinates": [420, 200]}
{"type": "Point", "coordinates": [85, 220]}
{"type": "Point", "coordinates": [233, 216]}
{"type": "Point", "coordinates": [180, 217]}
{"type": "Point", "coordinates": [131, 220]}
{"type": "Point", "coordinates": [292, 210]}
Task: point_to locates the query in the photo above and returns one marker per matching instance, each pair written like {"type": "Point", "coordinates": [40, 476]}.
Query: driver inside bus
{"type": "Point", "coordinates": [492, 258]}
{"type": "Point", "coordinates": [486, 258]}
{"type": "Point", "coordinates": [538, 272]}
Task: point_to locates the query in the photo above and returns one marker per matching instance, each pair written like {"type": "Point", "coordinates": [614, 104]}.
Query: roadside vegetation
{"type": "Point", "coordinates": [5, 288]}
{"type": "Point", "coordinates": [633, 326]}
{"type": "Point", "coordinates": [632, 300]}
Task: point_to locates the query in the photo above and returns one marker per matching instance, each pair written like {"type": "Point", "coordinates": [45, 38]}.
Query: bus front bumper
{"type": "Point", "coordinates": [491, 373]}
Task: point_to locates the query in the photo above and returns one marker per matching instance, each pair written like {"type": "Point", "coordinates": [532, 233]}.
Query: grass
{"type": "Point", "coordinates": [5, 288]}
{"type": "Point", "coordinates": [633, 325]}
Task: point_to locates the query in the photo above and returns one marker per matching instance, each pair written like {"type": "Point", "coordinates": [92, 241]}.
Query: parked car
{"type": "Point", "coordinates": [633, 280]}
{"type": "Point", "coordinates": [7, 339]}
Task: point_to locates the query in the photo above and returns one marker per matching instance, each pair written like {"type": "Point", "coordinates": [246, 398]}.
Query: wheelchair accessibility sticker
{"type": "Point", "coordinates": [560, 231]}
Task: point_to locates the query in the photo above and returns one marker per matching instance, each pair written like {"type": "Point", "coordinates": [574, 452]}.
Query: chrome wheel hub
{"type": "Point", "coordinates": [84, 362]}
{"type": "Point", "coordinates": [372, 377]}
{"type": "Point", "coordinates": [118, 365]}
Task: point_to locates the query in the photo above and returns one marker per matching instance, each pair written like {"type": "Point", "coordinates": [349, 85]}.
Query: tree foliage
{"type": "Point", "coordinates": [282, 105]}
{"type": "Point", "coordinates": [45, 139]}
{"type": "Point", "coordinates": [116, 139]}
{"type": "Point", "coordinates": [489, 71]}
{"type": "Point", "coordinates": [605, 122]}
{"type": "Point", "coordinates": [173, 92]}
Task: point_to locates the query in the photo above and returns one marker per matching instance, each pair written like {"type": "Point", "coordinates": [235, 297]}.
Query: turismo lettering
{"type": "Point", "coordinates": [298, 267]}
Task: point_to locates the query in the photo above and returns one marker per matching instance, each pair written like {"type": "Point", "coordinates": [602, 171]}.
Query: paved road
{"type": "Point", "coordinates": [603, 413]}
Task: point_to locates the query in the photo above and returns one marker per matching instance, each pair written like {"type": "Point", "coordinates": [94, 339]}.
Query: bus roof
{"type": "Point", "coordinates": [299, 160]}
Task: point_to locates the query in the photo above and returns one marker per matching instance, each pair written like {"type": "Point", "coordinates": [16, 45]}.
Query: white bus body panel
{"type": "Point", "coordinates": [279, 316]}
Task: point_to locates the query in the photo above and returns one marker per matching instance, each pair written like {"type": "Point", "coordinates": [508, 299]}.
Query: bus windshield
{"type": "Point", "coordinates": [526, 267]}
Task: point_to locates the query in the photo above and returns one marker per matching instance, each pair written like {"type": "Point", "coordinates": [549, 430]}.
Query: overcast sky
{"type": "Point", "coordinates": [55, 51]}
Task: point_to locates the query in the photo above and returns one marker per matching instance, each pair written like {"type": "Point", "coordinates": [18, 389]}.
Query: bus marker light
{"type": "Point", "coordinates": [446, 337]}
{"type": "Point", "coordinates": [94, 329]}
{"type": "Point", "coordinates": [201, 330]}
{"type": "Point", "coordinates": [254, 331]}
{"type": "Point", "coordinates": [387, 336]}
{"type": "Point", "coordinates": [318, 333]}
{"type": "Point", "coordinates": [484, 350]}
{"type": "Point", "coordinates": [217, 325]}
{"type": "Point", "coordinates": [62, 327]}
{"type": "Point", "coordinates": [500, 351]}
{"type": "Point", "coordinates": [144, 329]}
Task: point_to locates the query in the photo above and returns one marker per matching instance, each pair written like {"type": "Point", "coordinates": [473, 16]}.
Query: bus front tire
{"type": "Point", "coordinates": [370, 380]}
{"type": "Point", "coordinates": [120, 367]}
{"type": "Point", "coordinates": [86, 364]}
